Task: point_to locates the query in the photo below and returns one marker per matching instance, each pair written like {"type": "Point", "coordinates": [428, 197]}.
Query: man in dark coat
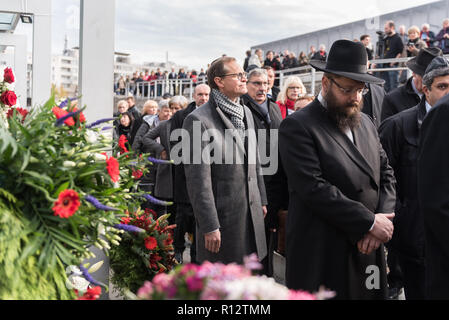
{"type": "Point", "coordinates": [267, 117]}
{"type": "Point", "coordinates": [410, 94]}
{"type": "Point", "coordinates": [224, 177]}
{"type": "Point", "coordinates": [400, 137]}
{"type": "Point", "coordinates": [273, 91]}
{"type": "Point", "coordinates": [185, 220]}
{"type": "Point", "coordinates": [433, 190]}
{"type": "Point", "coordinates": [342, 194]}
{"type": "Point", "coordinates": [372, 102]}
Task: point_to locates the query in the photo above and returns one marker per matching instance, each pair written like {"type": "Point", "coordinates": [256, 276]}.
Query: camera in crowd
{"type": "Point", "coordinates": [380, 45]}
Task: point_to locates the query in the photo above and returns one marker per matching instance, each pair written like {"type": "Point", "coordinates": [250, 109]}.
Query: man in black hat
{"type": "Point", "coordinates": [410, 94]}
{"type": "Point", "coordinates": [433, 190]}
{"type": "Point", "coordinates": [399, 135]}
{"type": "Point", "coordinates": [342, 194]}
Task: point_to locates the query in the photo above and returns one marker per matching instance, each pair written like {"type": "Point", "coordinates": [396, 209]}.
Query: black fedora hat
{"type": "Point", "coordinates": [347, 59]}
{"type": "Point", "coordinates": [425, 56]}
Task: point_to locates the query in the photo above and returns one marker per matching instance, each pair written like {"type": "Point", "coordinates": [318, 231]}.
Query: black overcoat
{"type": "Point", "coordinates": [433, 191]}
{"type": "Point", "coordinates": [399, 99]}
{"type": "Point", "coordinates": [335, 187]}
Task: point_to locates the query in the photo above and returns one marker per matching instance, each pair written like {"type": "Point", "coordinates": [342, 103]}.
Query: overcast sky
{"type": "Point", "coordinates": [196, 32]}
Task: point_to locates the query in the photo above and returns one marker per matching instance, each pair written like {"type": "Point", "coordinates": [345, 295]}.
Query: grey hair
{"type": "Point", "coordinates": [257, 72]}
{"type": "Point", "coordinates": [179, 100]}
{"type": "Point", "coordinates": [428, 78]}
{"type": "Point", "coordinates": [163, 104]}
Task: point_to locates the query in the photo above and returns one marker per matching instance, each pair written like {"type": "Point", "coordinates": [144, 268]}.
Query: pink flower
{"type": "Point", "coordinates": [146, 291]}
{"type": "Point", "coordinates": [162, 282]}
{"type": "Point", "coordinates": [194, 283]}
{"type": "Point", "coordinates": [300, 295]}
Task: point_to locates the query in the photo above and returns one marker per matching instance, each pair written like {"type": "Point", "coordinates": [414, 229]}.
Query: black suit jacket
{"type": "Point", "coordinates": [180, 194]}
{"type": "Point", "coordinates": [399, 135]}
{"type": "Point", "coordinates": [433, 191]}
{"type": "Point", "coordinates": [399, 99]}
{"type": "Point", "coordinates": [372, 103]}
{"type": "Point", "coordinates": [273, 186]}
{"type": "Point", "coordinates": [336, 187]}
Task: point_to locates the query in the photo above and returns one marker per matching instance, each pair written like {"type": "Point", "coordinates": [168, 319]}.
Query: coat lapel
{"type": "Point", "coordinates": [228, 124]}
{"type": "Point", "coordinates": [346, 144]}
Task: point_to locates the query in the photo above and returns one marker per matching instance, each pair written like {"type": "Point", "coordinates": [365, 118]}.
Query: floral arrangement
{"type": "Point", "coordinates": [216, 281]}
{"type": "Point", "coordinates": [145, 250]}
{"type": "Point", "coordinates": [62, 190]}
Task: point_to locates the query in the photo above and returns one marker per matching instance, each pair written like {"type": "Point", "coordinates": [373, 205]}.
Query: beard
{"type": "Point", "coordinates": [344, 116]}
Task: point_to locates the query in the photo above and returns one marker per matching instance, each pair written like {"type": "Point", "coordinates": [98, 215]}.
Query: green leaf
{"type": "Point", "coordinates": [33, 245]}
{"type": "Point", "coordinates": [45, 192]}
{"type": "Point", "coordinates": [89, 173]}
{"type": "Point", "coordinates": [26, 160]}
{"type": "Point", "coordinates": [61, 188]}
{"type": "Point", "coordinates": [39, 176]}
{"type": "Point", "coordinates": [69, 240]}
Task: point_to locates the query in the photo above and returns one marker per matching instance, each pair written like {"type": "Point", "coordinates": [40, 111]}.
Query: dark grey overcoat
{"type": "Point", "coordinates": [228, 197]}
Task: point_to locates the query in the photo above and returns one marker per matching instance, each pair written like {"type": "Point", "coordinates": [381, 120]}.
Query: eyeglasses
{"type": "Point", "coordinates": [347, 92]}
{"type": "Point", "coordinates": [259, 84]}
{"type": "Point", "coordinates": [294, 88]}
{"type": "Point", "coordinates": [239, 76]}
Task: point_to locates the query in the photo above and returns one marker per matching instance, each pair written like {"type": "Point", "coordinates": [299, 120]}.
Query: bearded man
{"type": "Point", "coordinates": [341, 187]}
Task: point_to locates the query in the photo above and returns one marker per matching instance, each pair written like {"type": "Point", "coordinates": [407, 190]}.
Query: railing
{"type": "Point", "coordinates": [309, 76]}
{"type": "Point", "coordinates": [157, 88]}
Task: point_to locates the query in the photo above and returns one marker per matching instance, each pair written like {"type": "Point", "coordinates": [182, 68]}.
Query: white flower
{"type": "Point", "coordinates": [91, 137]}
{"type": "Point", "coordinates": [99, 157]}
{"type": "Point", "coordinates": [96, 267]}
{"type": "Point", "coordinates": [255, 288]}
{"type": "Point", "coordinates": [73, 269]}
{"type": "Point", "coordinates": [69, 164]}
{"type": "Point", "coordinates": [77, 283]}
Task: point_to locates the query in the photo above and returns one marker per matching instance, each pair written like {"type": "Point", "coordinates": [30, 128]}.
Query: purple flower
{"type": "Point", "coordinates": [106, 128]}
{"type": "Point", "coordinates": [128, 228]}
{"type": "Point", "coordinates": [157, 201]}
{"type": "Point", "coordinates": [98, 122]}
{"type": "Point", "coordinates": [66, 102]}
{"type": "Point", "coordinates": [89, 277]}
{"type": "Point", "coordinates": [160, 161]}
{"type": "Point", "coordinates": [252, 262]}
{"type": "Point", "coordinates": [97, 204]}
{"type": "Point", "coordinates": [61, 120]}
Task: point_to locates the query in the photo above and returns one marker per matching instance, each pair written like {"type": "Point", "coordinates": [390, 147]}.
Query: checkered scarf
{"type": "Point", "coordinates": [235, 111]}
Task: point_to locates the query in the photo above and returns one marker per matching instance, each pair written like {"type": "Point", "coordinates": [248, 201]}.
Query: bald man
{"type": "Point", "coordinates": [184, 213]}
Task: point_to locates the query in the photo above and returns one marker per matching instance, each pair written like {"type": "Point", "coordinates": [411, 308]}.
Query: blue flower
{"type": "Point", "coordinates": [157, 201]}
{"type": "Point", "coordinates": [97, 204]}
{"type": "Point", "coordinates": [159, 161]}
{"type": "Point", "coordinates": [98, 122]}
{"type": "Point", "coordinates": [89, 277]}
{"type": "Point", "coordinates": [128, 228]}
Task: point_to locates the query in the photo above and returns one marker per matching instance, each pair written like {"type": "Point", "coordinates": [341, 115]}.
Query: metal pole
{"type": "Point", "coordinates": [313, 81]}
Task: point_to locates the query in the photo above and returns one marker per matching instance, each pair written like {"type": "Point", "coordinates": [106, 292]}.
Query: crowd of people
{"type": "Point", "coordinates": [150, 83]}
{"type": "Point", "coordinates": [348, 194]}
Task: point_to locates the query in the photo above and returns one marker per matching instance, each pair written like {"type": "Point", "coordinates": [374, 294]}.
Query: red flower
{"type": "Point", "coordinates": [154, 258]}
{"type": "Point", "coordinates": [150, 243]}
{"type": "Point", "coordinates": [59, 113]}
{"type": "Point", "coordinates": [8, 76]}
{"type": "Point", "coordinates": [82, 118]}
{"type": "Point", "coordinates": [122, 144]}
{"type": "Point", "coordinates": [91, 294]}
{"type": "Point", "coordinates": [8, 98]}
{"type": "Point", "coordinates": [20, 111]}
{"type": "Point", "coordinates": [112, 166]}
{"type": "Point", "coordinates": [168, 242]}
{"type": "Point", "coordinates": [126, 220]}
{"type": "Point", "coordinates": [137, 174]}
{"type": "Point", "coordinates": [67, 204]}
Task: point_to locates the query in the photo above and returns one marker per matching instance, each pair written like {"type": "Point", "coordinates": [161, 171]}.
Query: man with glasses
{"type": "Point", "coordinates": [267, 116]}
{"type": "Point", "coordinates": [223, 175]}
{"type": "Point", "coordinates": [342, 190]}
{"type": "Point", "coordinates": [399, 135]}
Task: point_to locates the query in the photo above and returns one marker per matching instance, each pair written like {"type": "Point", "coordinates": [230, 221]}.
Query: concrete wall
{"type": "Point", "coordinates": [433, 13]}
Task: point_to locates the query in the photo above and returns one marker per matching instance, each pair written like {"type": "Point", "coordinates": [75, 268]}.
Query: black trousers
{"type": "Point", "coordinates": [185, 222]}
{"type": "Point", "coordinates": [413, 276]}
